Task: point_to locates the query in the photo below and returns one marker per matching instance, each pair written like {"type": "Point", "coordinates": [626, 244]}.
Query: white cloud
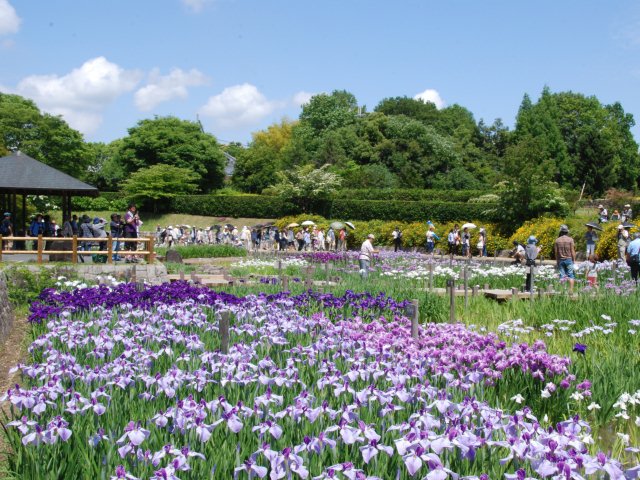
{"type": "Point", "coordinates": [161, 89]}
{"type": "Point", "coordinates": [195, 5]}
{"type": "Point", "coordinates": [9, 19]}
{"type": "Point", "coordinates": [81, 95]}
{"type": "Point", "coordinates": [239, 105]}
{"type": "Point", "coordinates": [301, 98]}
{"type": "Point", "coordinates": [431, 95]}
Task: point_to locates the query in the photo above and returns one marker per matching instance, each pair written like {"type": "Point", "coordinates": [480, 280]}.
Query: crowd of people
{"type": "Point", "coordinates": [269, 237]}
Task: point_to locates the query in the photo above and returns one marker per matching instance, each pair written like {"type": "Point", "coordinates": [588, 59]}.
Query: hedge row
{"type": "Point", "coordinates": [413, 194]}
{"type": "Point", "coordinates": [242, 206]}
{"type": "Point", "coordinates": [260, 206]}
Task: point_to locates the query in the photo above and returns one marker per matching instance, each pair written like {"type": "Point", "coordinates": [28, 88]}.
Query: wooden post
{"type": "Point", "coordinates": [431, 277]}
{"type": "Point", "coordinates": [451, 284]}
{"type": "Point", "coordinates": [224, 332]}
{"type": "Point", "coordinates": [514, 293]}
{"type": "Point", "coordinates": [279, 268]}
{"type": "Point", "coordinates": [1, 247]}
{"type": "Point", "coordinates": [74, 249]}
{"type": "Point", "coordinates": [495, 255]}
{"type": "Point", "coordinates": [475, 290]}
{"type": "Point", "coordinates": [466, 287]}
{"type": "Point", "coordinates": [151, 254]}
{"type": "Point", "coordinates": [414, 319]}
{"type": "Point", "coordinates": [40, 248]}
{"type": "Point", "coordinates": [109, 250]}
{"type": "Point", "coordinates": [285, 283]}
{"type": "Point", "coordinates": [182, 276]}
{"type": "Point", "coordinates": [532, 272]}
{"type": "Point", "coordinates": [486, 286]}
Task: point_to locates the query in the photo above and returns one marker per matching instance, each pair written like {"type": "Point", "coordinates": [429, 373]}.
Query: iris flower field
{"type": "Point", "coordinates": [124, 382]}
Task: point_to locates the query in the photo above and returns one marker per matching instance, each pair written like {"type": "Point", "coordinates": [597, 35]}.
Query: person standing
{"type": "Point", "coordinates": [627, 214]}
{"type": "Point", "coordinates": [565, 252]}
{"type": "Point", "coordinates": [603, 215]}
{"type": "Point", "coordinates": [331, 239]}
{"type": "Point", "coordinates": [366, 253]}
{"type": "Point", "coordinates": [633, 257]}
{"type": "Point", "coordinates": [623, 241]}
{"type": "Point", "coordinates": [6, 230]}
{"type": "Point", "coordinates": [431, 239]}
{"type": "Point", "coordinates": [591, 237]}
{"type": "Point", "coordinates": [482, 242]}
{"type": "Point", "coordinates": [531, 252]}
{"type": "Point", "coordinates": [131, 224]}
{"type": "Point", "coordinates": [466, 243]}
{"type": "Point", "coordinates": [396, 235]}
{"type": "Point", "coordinates": [342, 240]}
{"type": "Point", "coordinates": [115, 226]}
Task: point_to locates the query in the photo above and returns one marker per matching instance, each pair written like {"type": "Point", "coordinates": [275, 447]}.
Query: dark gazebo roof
{"type": "Point", "coordinates": [20, 174]}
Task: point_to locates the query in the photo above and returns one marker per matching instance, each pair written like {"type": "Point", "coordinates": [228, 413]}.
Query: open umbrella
{"type": "Point", "coordinates": [629, 225]}
{"type": "Point", "coordinates": [593, 225]}
{"type": "Point", "coordinates": [350, 225]}
{"type": "Point", "coordinates": [293, 225]}
{"type": "Point", "coordinates": [307, 223]}
{"type": "Point", "coordinates": [186, 226]}
{"type": "Point", "coordinates": [229, 226]}
{"type": "Point", "coordinates": [337, 225]}
{"type": "Point", "coordinates": [468, 225]}
{"type": "Point", "coordinates": [258, 225]}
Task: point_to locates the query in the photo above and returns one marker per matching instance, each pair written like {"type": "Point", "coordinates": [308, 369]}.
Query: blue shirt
{"type": "Point", "coordinates": [634, 247]}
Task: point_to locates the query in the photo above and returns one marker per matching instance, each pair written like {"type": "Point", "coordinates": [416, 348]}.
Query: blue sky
{"type": "Point", "coordinates": [241, 65]}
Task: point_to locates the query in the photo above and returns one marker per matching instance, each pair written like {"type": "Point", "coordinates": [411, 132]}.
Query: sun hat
{"type": "Point", "coordinates": [620, 227]}
{"type": "Point", "coordinates": [600, 206]}
{"type": "Point", "coordinates": [532, 239]}
{"type": "Point", "coordinates": [371, 236]}
{"type": "Point", "coordinates": [564, 229]}
{"type": "Point", "coordinates": [627, 205]}
{"type": "Point", "coordinates": [7, 214]}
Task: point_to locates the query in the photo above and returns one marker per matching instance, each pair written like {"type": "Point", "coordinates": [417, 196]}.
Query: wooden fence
{"type": "Point", "coordinates": [76, 244]}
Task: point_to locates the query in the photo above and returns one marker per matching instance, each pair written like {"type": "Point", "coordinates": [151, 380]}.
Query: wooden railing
{"type": "Point", "coordinates": [76, 244]}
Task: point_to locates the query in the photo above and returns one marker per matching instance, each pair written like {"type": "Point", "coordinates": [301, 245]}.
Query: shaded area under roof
{"type": "Point", "coordinates": [20, 174]}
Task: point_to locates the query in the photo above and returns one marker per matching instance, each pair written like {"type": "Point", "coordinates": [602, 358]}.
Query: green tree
{"type": "Point", "coordinates": [160, 182]}
{"type": "Point", "coordinates": [305, 184]}
{"type": "Point", "coordinates": [256, 166]}
{"type": "Point", "coordinates": [527, 191]}
{"type": "Point", "coordinates": [47, 138]}
{"type": "Point", "coordinates": [105, 170]}
{"type": "Point", "coordinates": [171, 141]}
{"type": "Point", "coordinates": [327, 112]}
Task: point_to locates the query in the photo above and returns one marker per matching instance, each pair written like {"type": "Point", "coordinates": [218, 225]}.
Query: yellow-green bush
{"type": "Point", "coordinates": [607, 247]}
{"type": "Point", "coordinates": [544, 229]}
{"type": "Point", "coordinates": [413, 233]}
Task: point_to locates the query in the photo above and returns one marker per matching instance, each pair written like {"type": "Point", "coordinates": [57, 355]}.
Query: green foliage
{"type": "Point", "coordinates": [160, 182]}
{"type": "Point", "coordinates": [112, 201]}
{"type": "Point", "coordinates": [242, 206]}
{"type": "Point", "coordinates": [305, 184]}
{"type": "Point", "coordinates": [45, 137]}
{"type": "Point", "coordinates": [180, 143]}
{"type": "Point", "coordinates": [25, 285]}
{"type": "Point", "coordinates": [607, 247]}
{"type": "Point", "coordinates": [206, 251]}
{"type": "Point", "coordinates": [528, 193]}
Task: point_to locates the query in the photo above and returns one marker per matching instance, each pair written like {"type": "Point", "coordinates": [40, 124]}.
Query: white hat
{"type": "Point", "coordinates": [627, 206]}
{"type": "Point", "coordinates": [169, 227]}
{"type": "Point", "coordinates": [371, 236]}
{"type": "Point", "coordinates": [600, 206]}
{"type": "Point", "coordinates": [620, 227]}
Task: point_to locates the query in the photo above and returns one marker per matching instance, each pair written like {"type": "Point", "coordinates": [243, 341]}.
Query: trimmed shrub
{"type": "Point", "coordinates": [205, 251]}
{"type": "Point", "coordinates": [544, 229]}
{"type": "Point", "coordinates": [407, 194]}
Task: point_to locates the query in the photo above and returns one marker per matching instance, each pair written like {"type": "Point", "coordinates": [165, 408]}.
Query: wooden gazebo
{"type": "Point", "coordinates": [22, 175]}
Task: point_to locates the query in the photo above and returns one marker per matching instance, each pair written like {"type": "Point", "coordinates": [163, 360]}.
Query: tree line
{"type": "Point", "coordinates": [563, 140]}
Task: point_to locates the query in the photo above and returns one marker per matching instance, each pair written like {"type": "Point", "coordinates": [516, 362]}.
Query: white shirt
{"type": "Point", "coordinates": [366, 250]}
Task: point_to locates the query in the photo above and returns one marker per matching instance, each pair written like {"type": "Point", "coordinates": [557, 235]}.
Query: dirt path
{"type": "Point", "coordinates": [12, 352]}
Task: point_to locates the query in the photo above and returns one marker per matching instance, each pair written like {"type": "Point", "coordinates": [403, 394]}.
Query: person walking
{"type": "Point", "coordinates": [396, 235]}
{"type": "Point", "coordinates": [466, 243]}
{"type": "Point", "coordinates": [591, 237]}
{"type": "Point", "coordinates": [565, 252]}
{"type": "Point", "coordinates": [366, 254]}
{"type": "Point", "coordinates": [633, 257]}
